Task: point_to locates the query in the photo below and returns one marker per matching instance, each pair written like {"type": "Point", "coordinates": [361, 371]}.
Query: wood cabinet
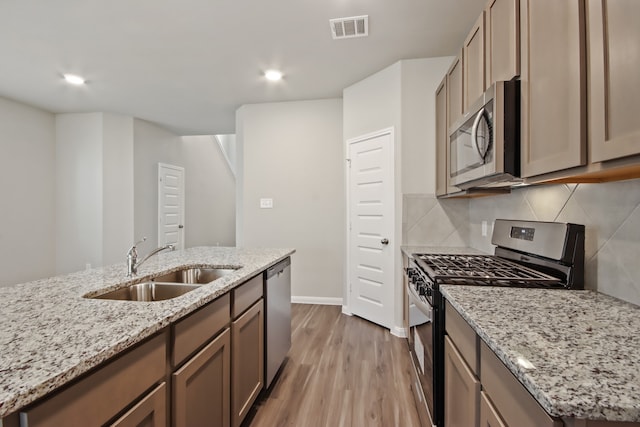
{"type": "Point", "coordinates": [489, 416]}
{"type": "Point", "coordinates": [502, 33]}
{"type": "Point", "coordinates": [442, 162]}
{"type": "Point", "coordinates": [553, 84]}
{"type": "Point", "coordinates": [103, 394]}
{"type": "Point", "coordinates": [512, 402]}
{"type": "Point", "coordinates": [461, 370]}
{"type": "Point", "coordinates": [201, 388]}
{"type": "Point", "coordinates": [614, 78]}
{"type": "Point", "coordinates": [461, 390]}
{"type": "Point", "coordinates": [151, 411]}
{"type": "Point", "coordinates": [474, 63]}
{"type": "Point", "coordinates": [455, 93]}
{"type": "Point", "coordinates": [204, 369]}
{"type": "Point", "coordinates": [248, 361]}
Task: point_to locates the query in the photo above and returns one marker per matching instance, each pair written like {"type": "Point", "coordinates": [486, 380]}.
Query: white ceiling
{"type": "Point", "coordinates": [189, 64]}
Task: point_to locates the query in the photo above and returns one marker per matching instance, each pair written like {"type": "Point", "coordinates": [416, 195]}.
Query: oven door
{"type": "Point", "coordinates": [421, 330]}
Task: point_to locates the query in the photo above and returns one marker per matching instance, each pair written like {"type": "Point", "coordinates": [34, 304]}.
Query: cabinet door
{"type": "Point", "coordinates": [553, 113]}
{"type": "Point", "coordinates": [473, 64]}
{"type": "Point", "coordinates": [248, 361]}
{"type": "Point", "coordinates": [455, 101]}
{"type": "Point", "coordinates": [441, 139]}
{"type": "Point", "coordinates": [149, 412]}
{"type": "Point", "coordinates": [201, 388]}
{"type": "Point", "coordinates": [614, 86]}
{"type": "Point", "coordinates": [461, 390]}
{"type": "Point", "coordinates": [489, 416]}
{"type": "Point", "coordinates": [502, 30]}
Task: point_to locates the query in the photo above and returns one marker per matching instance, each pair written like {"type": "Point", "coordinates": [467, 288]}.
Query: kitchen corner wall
{"type": "Point", "coordinates": [291, 152]}
{"type": "Point", "coordinates": [609, 211]}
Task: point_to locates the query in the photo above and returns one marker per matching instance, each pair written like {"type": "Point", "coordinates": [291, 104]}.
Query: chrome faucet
{"type": "Point", "coordinates": [132, 257]}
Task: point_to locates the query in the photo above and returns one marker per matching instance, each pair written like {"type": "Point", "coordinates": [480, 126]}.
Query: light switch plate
{"type": "Point", "coordinates": [266, 203]}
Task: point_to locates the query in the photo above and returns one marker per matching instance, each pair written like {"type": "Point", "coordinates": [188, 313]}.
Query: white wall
{"type": "Point", "coordinates": [78, 191]}
{"type": "Point", "coordinates": [27, 214]}
{"type": "Point", "coordinates": [210, 194]}
{"type": "Point", "coordinates": [117, 190]}
{"type": "Point", "coordinates": [293, 153]}
{"type": "Point", "coordinates": [152, 145]}
{"type": "Point", "coordinates": [94, 170]}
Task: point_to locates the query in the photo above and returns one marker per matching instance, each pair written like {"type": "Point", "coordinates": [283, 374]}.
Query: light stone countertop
{"type": "Point", "coordinates": [51, 334]}
{"type": "Point", "coordinates": [584, 346]}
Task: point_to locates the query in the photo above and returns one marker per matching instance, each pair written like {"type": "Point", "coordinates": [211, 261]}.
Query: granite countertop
{"type": "Point", "coordinates": [584, 346]}
{"type": "Point", "coordinates": [449, 250]}
{"type": "Point", "coordinates": [51, 334]}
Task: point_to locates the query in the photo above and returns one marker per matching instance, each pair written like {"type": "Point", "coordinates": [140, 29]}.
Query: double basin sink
{"type": "Point", "coordinates": [167, 286]}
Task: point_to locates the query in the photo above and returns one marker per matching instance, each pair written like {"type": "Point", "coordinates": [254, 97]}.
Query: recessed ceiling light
{"type": "Point", "coordinates": [74, 80]}
{"type": "Point", "coordinates": [273, 75]}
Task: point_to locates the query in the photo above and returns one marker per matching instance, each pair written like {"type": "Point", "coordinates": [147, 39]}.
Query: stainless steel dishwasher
{"type": "Point", "coordinates": [277, 317]}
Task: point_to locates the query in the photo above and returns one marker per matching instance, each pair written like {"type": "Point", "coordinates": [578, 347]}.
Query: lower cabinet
{"type": "Point", "coordinates": [489, 416]}
{"type": "Point", "coordinates": [151, 411]}
{"type": "Point", "coordinates": [100, 396]}
{"type": "Point", "coordinates": [461, 390]}
{"type": "Point", "coordinates": [206, 369]}
{"type": "Point", "coordinates": [201, 387]}
{"type": "Point", "coordinates": [248, 361]}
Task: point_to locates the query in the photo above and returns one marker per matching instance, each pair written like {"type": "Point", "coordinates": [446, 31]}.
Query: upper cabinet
{"type": "Point", "coordinates": [474, 63]}
{"type": "Point", "coordinates": [613, 36]}
{"type": "Point", "coordinates": [441, 138]}
{"type": "Point", "coordinates": [455, 86]}
{"type": "Point", "coordinates": [553, 82]}
{"type": "Point", "coordinates": [502, 33]}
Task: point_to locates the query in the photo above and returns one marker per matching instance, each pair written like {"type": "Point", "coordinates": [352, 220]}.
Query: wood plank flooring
{"type": "Point", "coordinates": [341, 371]}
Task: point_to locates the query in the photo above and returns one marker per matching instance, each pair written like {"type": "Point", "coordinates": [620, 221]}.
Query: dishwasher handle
{"type": "Point", "coordinates": [278, 268]}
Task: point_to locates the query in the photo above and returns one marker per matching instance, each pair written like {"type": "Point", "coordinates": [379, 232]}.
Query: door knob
{"type": "Point", "coordinates": [384, 241]}
{"type": "Point", "coordinates": [181, 226]}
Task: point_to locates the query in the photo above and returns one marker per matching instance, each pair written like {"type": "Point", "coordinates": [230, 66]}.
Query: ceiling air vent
{"type": "Point", "coordinates": [345, 28]}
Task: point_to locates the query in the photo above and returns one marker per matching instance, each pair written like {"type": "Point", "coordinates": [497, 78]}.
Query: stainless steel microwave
{"type": "Point", "coordinates": [484, 144]}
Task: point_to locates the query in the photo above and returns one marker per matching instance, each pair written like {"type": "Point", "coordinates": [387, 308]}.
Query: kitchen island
{"type": "Point", "coordinates": [575, 352]}
{"type": "Point", "coordinates": [53, 332]}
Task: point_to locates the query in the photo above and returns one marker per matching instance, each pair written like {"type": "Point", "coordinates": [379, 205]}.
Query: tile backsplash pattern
{"type": "Point", "coordinates": [610, 212]}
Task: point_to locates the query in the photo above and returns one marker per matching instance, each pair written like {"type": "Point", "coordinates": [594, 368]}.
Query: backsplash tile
{"type": "Point", "coordinates": [610, 212]}
{"type": "Point", "coordinates": [428, 221]}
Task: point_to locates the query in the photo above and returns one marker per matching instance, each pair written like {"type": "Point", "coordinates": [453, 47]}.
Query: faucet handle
{"type": "Point", "coordinates": [132, 250]}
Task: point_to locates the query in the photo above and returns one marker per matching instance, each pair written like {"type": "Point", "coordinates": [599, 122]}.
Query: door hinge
{"type": "Point", "coordinates": [349, 162]}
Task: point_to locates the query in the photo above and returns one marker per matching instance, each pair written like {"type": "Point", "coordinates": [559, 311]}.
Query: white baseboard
{"type": "Point", "coordinates": [399, 332]}
{"type": "Point", "coordinates": [346, 311]}
{"type": "Point", "coordinates": [316, 300]}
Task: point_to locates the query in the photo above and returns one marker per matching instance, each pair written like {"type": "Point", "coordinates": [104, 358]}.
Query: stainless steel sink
{"type": "Point", "coordinates": [195, 275]}
{"type": "Point", "coordinates": [148, 291]}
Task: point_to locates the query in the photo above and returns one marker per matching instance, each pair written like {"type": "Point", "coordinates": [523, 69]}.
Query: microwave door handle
{"type": "Point", "coordinates": [474, 134]}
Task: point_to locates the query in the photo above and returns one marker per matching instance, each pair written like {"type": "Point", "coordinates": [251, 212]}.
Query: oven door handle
{"type": "Point", "coordinates": [474, 136]}
{"type": "Point", "coordinates": [424, 307]}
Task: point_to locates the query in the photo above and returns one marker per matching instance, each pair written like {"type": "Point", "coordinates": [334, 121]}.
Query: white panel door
{"type": "Point", "coordinates": [371, 226]}
{"type": "Point", "coordinates": [170, 205]}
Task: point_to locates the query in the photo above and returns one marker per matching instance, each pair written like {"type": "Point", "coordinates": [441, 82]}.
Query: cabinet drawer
{"type": "Point", "coordinates": [102, 394]}
{"type": "Point", "coordinates": [463, 336]}
{"type": "Point", "coordinates": [149, 412]}
{"type": "Point", "coordinates": [489, 417]}
{"type": "Point", "coordinates": [514, 403]}
{"type": "Point", "coordinates": [194, 331]}
{"type": "Point", "coordinates": [245, 295]}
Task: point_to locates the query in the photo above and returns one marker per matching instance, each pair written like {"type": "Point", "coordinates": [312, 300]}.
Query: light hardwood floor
{"type": "Point", "coordinates": [341, 371]}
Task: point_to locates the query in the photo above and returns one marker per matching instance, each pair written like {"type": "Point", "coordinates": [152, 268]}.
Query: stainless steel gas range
{"type": "Point", "coordinates": [527, 254]}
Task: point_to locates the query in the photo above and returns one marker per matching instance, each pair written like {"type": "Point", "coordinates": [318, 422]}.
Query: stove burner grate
{"type": "Point", "coordinates": [484, 269]}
